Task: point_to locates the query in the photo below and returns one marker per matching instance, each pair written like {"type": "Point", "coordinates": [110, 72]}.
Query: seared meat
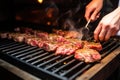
{"type": "Point", "coordinates": [50, 45]}
{"type": "Point", "coordinates": [41, 34]}
{"type": "Point", "coordinates": [93, 45]}
{"type": "Point", "coordinates": [76, 42]}
{"type": "Point", "coordinates": [60, 42]}
{"type": "Point", "coordinates": [19, 37]}
{"type": "Point", "coordinates": [66, 49]}
{"type": "Point", "coordinates": [72, 34]}
{"type": "Point", "coordinates": [59, 32]}
{"type": "Point", "coordinates": [33, 41]}
{"type": "Point", "coordinates": [69, 47]}
{"type": "Point", "coordinates": [55, 37]}
{"type": "Point", "coordinates": [3, 35]}
{"type": "Point", "coordinates": [87, 55]}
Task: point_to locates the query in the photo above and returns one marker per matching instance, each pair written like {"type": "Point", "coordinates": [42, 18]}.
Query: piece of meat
{"type": "Point", "coordinates": [72, 34]}
{"type": "Point", "coordinates": [59, 32]}
{"type": "Point", "coordinates": [87, 55]}
{"type": "Point", "coordinates": [19, 37]}
{"type": "Point", "coordinates": [3, 35]}
{"type": "Point", "coordinates": [32, 40]}
{"type": "Point", "coordinates": [55, 37]}
{"type": "Point", "coordinates": [50, 45]}
{"type": "Point", "coordinates": [76, 42]}
{"type": "Point", "coordinates": [93, 45]}
{"type": "Point", "coordinates": [11, 35]}
{"type": "Point", "coordinates": [67, 49]}
{"type": "Point", "coordinates": [41, 34]}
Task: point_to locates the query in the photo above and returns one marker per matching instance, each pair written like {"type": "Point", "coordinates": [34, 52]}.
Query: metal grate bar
{"type": "Point", "coordinates": [6, 42]}
{"type": "Point", "coordinates": [27, 53]}
{"type": "Point", "coordinates": [53, 59]}
{"type": "Point", "coordinates": [16, 50]}
{"type": "Point", "coordinates": [42, 59]}
{"type": "Point", "coordinates": [71, 69]}
{"type": "Point", "coordinates": [109, 45]}
{"type": "Point", "coordinates": [110, 50]}
{"type": "Point", "coordinates": [64, 66]}
{"type": "Point", "coordinates": [36, 57]}
{"type": "Point", "coordinates": [8, 46]}
{"type": "Point", "coordinates": [59, 61]}
{"type": "Point", "coordinates": [32, 55]}
{"type": "Point", "coordinates": [23, 51]}
{"type": "Point", "coordinates": [13, 48]}
{"type": "Point", "coordinates": [79, 72]}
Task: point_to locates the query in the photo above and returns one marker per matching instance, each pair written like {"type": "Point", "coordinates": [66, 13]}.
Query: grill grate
{"type": "Point", "coordinates": [46, 65]}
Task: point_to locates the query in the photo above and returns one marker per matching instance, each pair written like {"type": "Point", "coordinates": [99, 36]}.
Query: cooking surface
{"type": "Point", "coordinates": [48, 66]}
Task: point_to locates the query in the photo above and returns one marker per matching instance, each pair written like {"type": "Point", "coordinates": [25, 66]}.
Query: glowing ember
{"type": "Point", "coordinates": [48, 23]}
{"type": "Point", "coordinates": [40, 1]}
{"type": "Point", "coordinates": [64, 63]}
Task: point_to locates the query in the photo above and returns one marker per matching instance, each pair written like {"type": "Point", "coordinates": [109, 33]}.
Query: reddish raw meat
{"type": "Point", "coordinates": [93, 45]}
{"type": "Point", "coordinates": [62, 43]}
{"type": "Point", "coordinates": [87, 55]}
{"type": "Point", "coordinates": [69, 47]}
{"type": "Point", "coordinates": [50, 45]}
{"type": "Point", "coordinates": [66, 49]}
{"type": "Point", "coordinates": [41, 43]}
{"type": "Point", "coordinates": [58, 38]}
{"type": "Point", "coordinates": [32, 40]}
{"type": "Point", "coordinates": [59, 32]}
{"type": "Point", "coordinates": [41, 34]}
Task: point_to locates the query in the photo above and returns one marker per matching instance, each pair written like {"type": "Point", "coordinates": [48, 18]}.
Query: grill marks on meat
{"type": "Point", "coordinates": [60, 42]}
{"type": "Point", "coordinates": [50, 45]}
{"type": "Point", "coordinates": [69, 47]}
{"type": "Point", "coordinates": [87, 55]}
{"type": "Point", "coordinates": [66, 49]}
{"type": "Point", "coordinates": [92, 45]}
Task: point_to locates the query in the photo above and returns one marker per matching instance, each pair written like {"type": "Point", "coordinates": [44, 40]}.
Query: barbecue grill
{"type": "Point", "coordinates": [45, 65]}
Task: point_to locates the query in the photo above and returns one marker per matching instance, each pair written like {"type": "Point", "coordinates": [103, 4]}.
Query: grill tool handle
{"type": "Point", "coordinates": [85, 31]}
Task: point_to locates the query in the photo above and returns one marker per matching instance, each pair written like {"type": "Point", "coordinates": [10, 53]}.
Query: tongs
{"type": "Point", "coordinates": [85, 31]}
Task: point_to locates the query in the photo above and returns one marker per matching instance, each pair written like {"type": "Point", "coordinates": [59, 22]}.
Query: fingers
{"type": "Point", "coordinates": [95, 15]}
{"type": "Point", "coordinates": [88, 13]}
{"type": "Point", "coordinates": [97, 32]}
{"type": "Point", "coordinates": [104, 32]}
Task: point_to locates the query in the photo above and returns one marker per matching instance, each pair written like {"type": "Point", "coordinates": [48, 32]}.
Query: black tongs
{"type": "Point", "coordinates": [85, 31]}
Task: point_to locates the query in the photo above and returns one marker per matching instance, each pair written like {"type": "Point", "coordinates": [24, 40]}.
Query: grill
{"type": "Point", "coordinates": [47, 66]}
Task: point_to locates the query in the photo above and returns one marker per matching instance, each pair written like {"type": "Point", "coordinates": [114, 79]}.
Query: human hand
{"type": "Point", "coordinates": [93, 10]}
{"type": "Point", "coordinates": [108, 26]}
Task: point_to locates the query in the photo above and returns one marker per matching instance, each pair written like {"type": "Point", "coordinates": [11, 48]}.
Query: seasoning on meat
{"type": "Point", "coordinates": [93, 45]}
{"type": "Point", "coordinates": [87, 55]}
{"type": "Point", "coordinates": [60, 42]}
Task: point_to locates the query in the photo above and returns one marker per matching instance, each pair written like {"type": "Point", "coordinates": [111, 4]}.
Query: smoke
{"type": "Point", "coordinates": [67, 17]}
